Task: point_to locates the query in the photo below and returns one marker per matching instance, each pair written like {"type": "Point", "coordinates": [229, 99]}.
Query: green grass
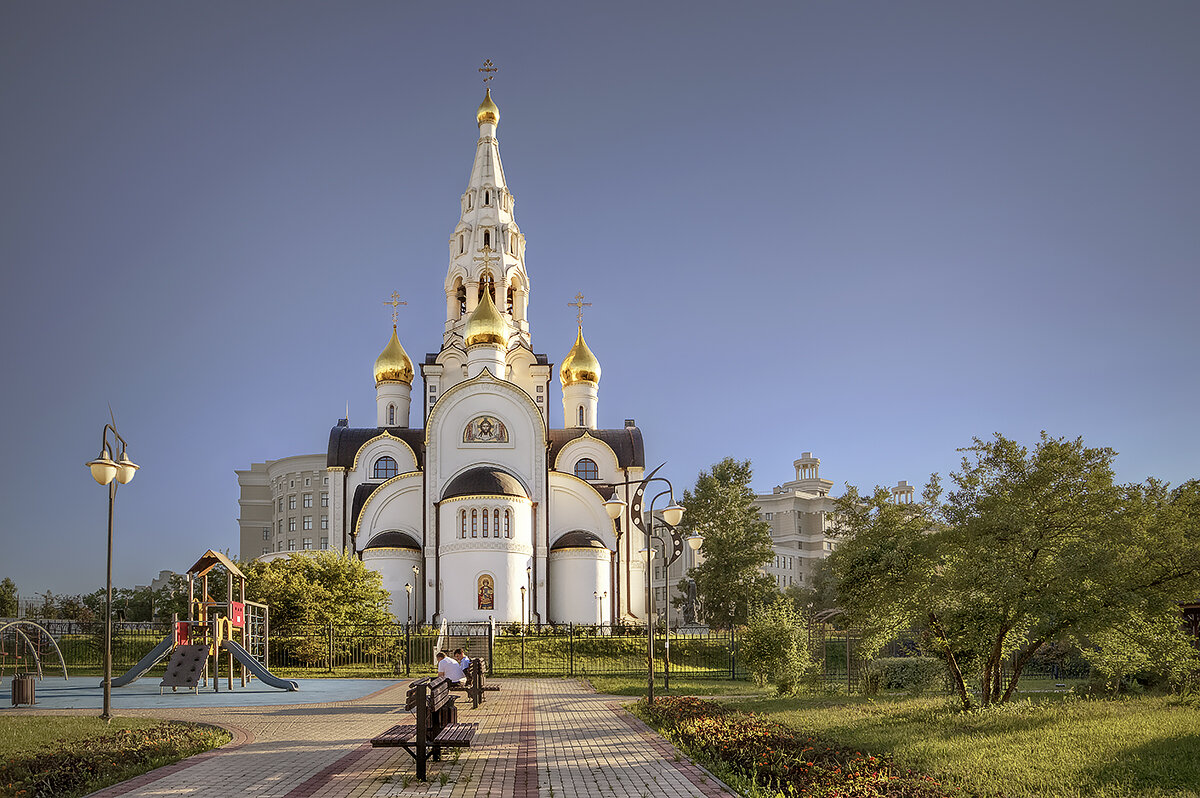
{"type": "Point", "coordinates": [1045, 746]}
{"type": "Point", "coordinates": [65, 756]}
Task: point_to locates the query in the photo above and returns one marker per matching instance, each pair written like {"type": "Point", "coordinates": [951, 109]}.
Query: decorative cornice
{"type": "Point", "coordinates": [482, 496]}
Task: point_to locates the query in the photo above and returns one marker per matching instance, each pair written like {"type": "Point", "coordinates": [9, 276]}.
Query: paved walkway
{"type": "Point", "coordinates": [550, 738]}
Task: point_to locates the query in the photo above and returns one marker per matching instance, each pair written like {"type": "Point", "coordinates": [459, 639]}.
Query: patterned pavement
{"type": "Point", "coordinates": [547, 737]}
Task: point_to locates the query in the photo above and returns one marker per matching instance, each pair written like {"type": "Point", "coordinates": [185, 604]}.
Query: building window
{"type": "Point", "coordinates": [485, 523]}
{"type": "Point", "coordinates": [266, 550]}
{"type": "Point", "coordinates": [496, 522]}
{"type": "Point", "coordinates": [385, 468]}
{"type": "Point", "coordinates": [462, 523]}
{"type": "Point", "coordinates": [324, 522]}
{"type": "Point", "coordinates": [292, 545]}
{"type": "Point", "coordinates": [281, 504]}
{"type": "Point", "coordinates": [308, 544]}
{"type": "Point", "coordinates": [507, 524]}
{"type": "Point", "coordinates": [474, 523]}
{"type": "Point", "coordinates": [307, 481]}
{"type": "Point", "coordinates": [308, 500]}
{"type": "Point", "coordinates": [324, 499]}
{"type": "Point", "coordinates": [291, 502]}
{"type": "Point", "coordinates": [461, 244]}
{"type": "Point", "coordinates": [266, 533]}
{"type": "Point", "coordinates": [391, 415]}
{"type": "Point", "coordinates": [580, 424]}
{"type": "Point", "coordinates": [279, 526]}
{"type": "Point", "coordinates": [291, 525]}
{"type": "Point", "coordinates": [326, 482]}
{"type": "Point", "coordinates": [587, 469]}
{"type": "Point", "coordinates": [324, 543]}
{"type": "Point", "coordinates": [487, 198]}
{"type": "Point", "coordinates": [487, 238]}
{"type": "Point", "coordinates": [291, 483]}
{"type": "Point", "coordinates": [308, 522]}
{"type": "Point", "coordinates": [487, 593]}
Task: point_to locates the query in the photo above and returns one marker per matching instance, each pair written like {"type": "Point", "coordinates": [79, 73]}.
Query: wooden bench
{"type": "Point", "coordinates": [436, 726]}
{"type": "Point", "coordinates": [476, 684]}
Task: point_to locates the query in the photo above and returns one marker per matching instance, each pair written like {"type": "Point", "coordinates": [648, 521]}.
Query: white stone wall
{"type": "Point", "coordinates": [395, 566]}
{"type": "Point", "coordinates": [576, 575]}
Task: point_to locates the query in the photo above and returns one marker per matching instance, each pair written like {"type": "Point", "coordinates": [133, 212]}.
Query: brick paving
{"type": "Point", "coordinates": [550, 738]}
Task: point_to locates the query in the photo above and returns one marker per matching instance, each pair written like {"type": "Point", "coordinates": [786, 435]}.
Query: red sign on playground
{"type": "Point", "coordinates": [237, 614]}
{"type": "Point", "coordinates": [182, 629]}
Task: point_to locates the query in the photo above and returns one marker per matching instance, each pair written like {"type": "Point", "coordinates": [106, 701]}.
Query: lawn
{"type": "Point", "coordinates": [1043, 745]}
{"type": "Point", "coordinates": [64, 756]}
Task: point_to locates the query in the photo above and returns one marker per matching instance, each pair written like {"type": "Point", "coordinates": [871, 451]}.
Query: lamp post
{"type": "Point", "coordinates": [416, 569]}
{"type": "Point", "coordinates": [671, 514]}
{"type": "Point", "coordinates": [528, 581]}
{"type": "Point", "coordinates": [408, 588]}
{"type": "Point", "coordinates": [107, 472]}
{"type": "Point", "coordinates": [522, 627]}
{"type": "Point", "coordinates": [600, 606]}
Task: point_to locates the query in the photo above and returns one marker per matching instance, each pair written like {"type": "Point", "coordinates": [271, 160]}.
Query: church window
{"type": "Point", "coordinates": [462, 244]}
{"type": "Point", "coordinates": [507, 524]}
{"type": "Point", "coordinates": [385, 468]}
{"type": "Point", "coordinates": [474, 523]}
{"type": "Point", "coordinates": [462, 523]}
{"type": "Point", "coordinates": [391, 415]}
{"type": "Point", "coordinates": [470, 203]}
{"type": "Point", "coordinates": [586, 468]}
{"type": "Point", "coordinates": [487, 238]}
{"type": "Point", "coordinates": [496, 522]}
{"type": "Point", "coordinates": [487, 283]}
{"type": "Point", "coordinates": [460, 293]}
{"type": "Point", "coordinates": [581, 417]}
{"type": "Point", "coordinates": [512, 243]}
{"type": "Point", "coordinates": [485, 523]}
{"type": "Point", "coordinates": [487, 198]}
{"type": "Point", "coordinates": [487, 593]}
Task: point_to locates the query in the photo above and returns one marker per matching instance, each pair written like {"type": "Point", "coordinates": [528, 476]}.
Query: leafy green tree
{"type": "Point", "coordinates": [736, 543]}
{"type": "Point", "coordinates": [774, 646]}
{"type": "Point", "coordinates": [1030, 547]}
{"type": "Point", "coordinates": [818, 595]}
{"type": "Point", "coordinates": [317, 588]}
{"type": "Point", "coordinates": [8, 598]}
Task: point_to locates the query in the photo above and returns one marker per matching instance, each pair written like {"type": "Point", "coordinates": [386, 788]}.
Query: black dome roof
{"type": "Point", "coordinates": [484, 481]}
{"type": "Point", "coordinates": [393, 540]}
{"type": "Point", "coordinates": [578, 540]}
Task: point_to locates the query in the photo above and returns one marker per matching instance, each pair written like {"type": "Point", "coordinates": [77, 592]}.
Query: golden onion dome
{"type": "Point", "coordinates": [488, 112]}
{"type": "Point", "coordinates": [393, 364]}
{"type": "Point", "coordinates": [580, 365]}
{"type": "Point", "coordinates": [486, 325]}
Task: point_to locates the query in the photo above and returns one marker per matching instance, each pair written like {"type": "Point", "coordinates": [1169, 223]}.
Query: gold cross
{"type": "Point", "coordinates": [488, 68]}
{"type": "Point", "coordinates": [487, 258]}
{"type": "Point", "coordinates": [395, 303]}
{"type": "Point", "coordinates": [580, 305]}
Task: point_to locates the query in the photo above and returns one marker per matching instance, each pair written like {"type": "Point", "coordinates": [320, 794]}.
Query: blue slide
{"type": "Point", "coordinates": [254, 666]}
{"type": "Point", "coordinates": [145, 663]}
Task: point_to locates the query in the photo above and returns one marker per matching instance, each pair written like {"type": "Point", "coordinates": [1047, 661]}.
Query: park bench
{"type": "Point", "coordinates": [476, 684]}
{"type": "Point", "coordinates": [436, 725]}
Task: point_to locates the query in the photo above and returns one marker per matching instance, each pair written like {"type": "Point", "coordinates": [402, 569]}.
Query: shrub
{"type": "Point", "coordinates": [912, 674]}
{"type": "Point", "coordinates": [774, 646]}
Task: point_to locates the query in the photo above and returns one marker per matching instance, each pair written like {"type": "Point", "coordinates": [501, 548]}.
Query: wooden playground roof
{"type": "Point", "coordinates": [212, 559]}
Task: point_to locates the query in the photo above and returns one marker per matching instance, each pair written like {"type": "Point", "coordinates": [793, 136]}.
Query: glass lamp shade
{"type": "Point", "coordinates": [126, 469]}
{"type": "Point", "coordinates": [648, 554]}
{"type": "Point", "coordinates": [408, 588]}
{"type": "Point", "coordinates": [522, 591]}
{"type": "Point", "coordinates": [103, 468]}
{"type": "Point", "coordinates": [614, 507]}
{"type": "Point", "coordinates": [695, 540]}
{"type": "Point", "coordinates": [416, 570]}
{"type": "Point", "coordinates": [672, 514]}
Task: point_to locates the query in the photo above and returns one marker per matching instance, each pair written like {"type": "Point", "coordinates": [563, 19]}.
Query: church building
{"type": "Point", "coordinates": [478, 508]}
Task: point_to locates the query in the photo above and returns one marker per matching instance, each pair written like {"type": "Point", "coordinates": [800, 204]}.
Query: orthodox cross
{"type": "Point", "coordinates": [488, 69]}
{"type": "Point", "coordinates": [579, 305]}
{"type": "Point", "coordinates": [395, 303]}
{"type": "Point", "coordinates": [487, 258]}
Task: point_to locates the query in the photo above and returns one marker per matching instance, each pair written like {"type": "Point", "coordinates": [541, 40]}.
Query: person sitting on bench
{"type": "Point", "coordinates": [464, 661]}
{"type": "Point", "coordinates": [450, 669]}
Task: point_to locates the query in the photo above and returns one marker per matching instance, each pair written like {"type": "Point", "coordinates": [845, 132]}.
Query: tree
{"type": "Point", "coordinates": [821, 592]}
{"type": "Point", "coordinates": [774, 646]}
{"type": "Point", "coordinates": [1027, 549]}
{"type": "Point", "coordinates": [8, 598]}
{"type": "Point", "coordinates": [736, 543]}
{"type": "Point", "coordinates": [317, 588]}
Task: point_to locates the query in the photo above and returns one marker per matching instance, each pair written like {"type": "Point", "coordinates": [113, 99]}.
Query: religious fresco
{"type": "Point", "coordinates": [487, 593]}
{"type": "Point", "coordinates": [485, 429]}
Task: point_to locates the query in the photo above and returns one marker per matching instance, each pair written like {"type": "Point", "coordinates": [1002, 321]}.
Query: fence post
{"type": "Point", "coordinates": [571, 649]}
{"type": "Point", "coordinates": [491, 645]}
{"type": "Point", "coordinates": [848, 661]}
{"type": "Point", "coordinates": [732, 654]}
{"type": "Point", "coordinates": [407, 647]}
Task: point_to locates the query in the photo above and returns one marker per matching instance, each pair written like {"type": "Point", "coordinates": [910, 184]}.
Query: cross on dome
{"type": "Point", "coordinates": [579, 305]}
{"type": "Point", "coordinates": [488, 69]}
{"type": "Point", "coordinates": [395, 302]}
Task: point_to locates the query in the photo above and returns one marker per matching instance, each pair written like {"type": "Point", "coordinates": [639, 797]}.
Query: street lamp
{"type": "Point", "coordinates": [600, 597]}
{"type": "Point", "coordinates": [672, 514]}
{"type": "Point", "coordinates": [107, 472]}
{"type": "Point", "coordinates": [416, 569]}
{"type": "Point", "coordinates": [522, 628]}
{"type": "Point", "coordinates": [529, 581]}
{"type": "Point", "coordinates": [408, 588]}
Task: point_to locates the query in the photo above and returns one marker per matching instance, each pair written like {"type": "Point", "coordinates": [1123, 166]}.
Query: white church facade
{"type": "Point", "coordinates": [481, 509]}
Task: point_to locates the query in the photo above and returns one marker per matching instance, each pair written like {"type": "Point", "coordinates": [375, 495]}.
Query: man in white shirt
{"type": "Point", "coordinates": [450, 669]}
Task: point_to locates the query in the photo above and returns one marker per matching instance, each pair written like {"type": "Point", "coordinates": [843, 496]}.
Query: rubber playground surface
{"type": "Point", "coordinates": [82, 692]}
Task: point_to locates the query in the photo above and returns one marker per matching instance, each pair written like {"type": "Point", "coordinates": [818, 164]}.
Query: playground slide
{"type": "Point", "coordinates": [146, 663]}
{"type": "Point", "coordinates": [254, 666]}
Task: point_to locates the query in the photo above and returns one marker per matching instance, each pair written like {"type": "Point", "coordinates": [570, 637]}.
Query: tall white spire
{"type": "Point", "coordinates": [487, 250]}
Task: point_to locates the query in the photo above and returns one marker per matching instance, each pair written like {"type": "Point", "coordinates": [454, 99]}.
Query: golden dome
{"type": "Point", "coordinates": [393, 364]}
{"type": "Point", "coordinates": [486, 325]}
{"type": "Point", "coordinates": [488, 112]}
{"type": "Point", "coordinates": [580, 365]}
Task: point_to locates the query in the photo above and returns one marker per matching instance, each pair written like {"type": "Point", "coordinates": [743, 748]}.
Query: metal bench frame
{"type": "Point", "coordinates": [436, 724]}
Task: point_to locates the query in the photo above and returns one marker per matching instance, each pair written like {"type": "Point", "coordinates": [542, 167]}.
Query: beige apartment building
{"type": "Point", "coordinates": [284, 506]}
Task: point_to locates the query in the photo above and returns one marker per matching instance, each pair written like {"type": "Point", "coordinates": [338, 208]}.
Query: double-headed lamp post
{"type": "Point", "coordinates": [408, 588]}
{"type": "Point", "coordinates": [672, 514]}
{"type": "Point", "coordinates": [416, 569]}
{"type": "Point", "coordinates": [106, 471]}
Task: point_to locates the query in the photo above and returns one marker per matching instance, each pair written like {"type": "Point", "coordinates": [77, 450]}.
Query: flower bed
{"type": "Point", "coordinates": [781, 759]}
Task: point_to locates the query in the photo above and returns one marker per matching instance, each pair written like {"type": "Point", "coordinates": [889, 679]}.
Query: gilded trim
{"type": "Point", "coordinates": [363, 510]}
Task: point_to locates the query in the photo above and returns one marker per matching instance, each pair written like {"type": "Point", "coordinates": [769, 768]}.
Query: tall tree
{"type": "Point", "coordinates": [317, 588]}
{"type": "Point", "coordinates": [1028, 548]}
{"type": "Point", "coordinates": [737, 544]}
{"type": "Point", "coordinates": [8, 598]}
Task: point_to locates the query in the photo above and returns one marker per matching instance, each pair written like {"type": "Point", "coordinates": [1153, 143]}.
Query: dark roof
{"type": "Point", "coordinates": [541, 360]}
{"type": "Point", "coordinates": [578, 539]}
{"type": "Point", "coordinates": [344, 443]}
{"type": "Point", "coordinates": [392, 540]}
{"type": "Point", "coordinates": [361, 494]}
{"type": "Point", "coordinates": [484, 481]}
{"type": "Point", "coordinates": [626, 443]}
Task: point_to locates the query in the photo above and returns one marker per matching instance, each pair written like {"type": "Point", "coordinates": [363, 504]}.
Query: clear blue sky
{"type": "Point", "coordinates": [866, 230]}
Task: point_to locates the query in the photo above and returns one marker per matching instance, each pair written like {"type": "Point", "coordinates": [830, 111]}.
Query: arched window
{"type": "Point", "coordinates": [462, 523]}
{"type": "Point", "coordinates": [485, 523]}
{"type": "Point", "coordinates": [581, 419]}
{"type": "Point", "coordinates": [586, 468]}
{"type": "Point", "coordinates": [496, 521]}
{"type": "Point", "coordinates": [487, 238]}
{"type": "Point", "coordinates": [474, 523]}
{"type": "Point", "coordinates": [507, 524]}
{"type": "Point", "coordinates": [512, 244]}
{"type": "Point", "coordinates": [487, 283]}
{"type": "Point", "coordinates": [391, 415]}
{"type": "Point", "coordinates": [385, 468]}
{"type": "Point", "coordinates": [487, 593]}
{"type": "Point", "coordinates": [462, 244]}
{"type": "Point", "coordinates": [470, 203]}
{"type": "Point", "coordinates": [487, 198]}
{"type": "Point", "coordinates": [512, 293]}
{"type": "Point", "coordinates": [460, 293]}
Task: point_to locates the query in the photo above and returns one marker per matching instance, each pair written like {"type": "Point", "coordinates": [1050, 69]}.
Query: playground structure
{"type": "Point", "coordinates": [26, 650]}
{"type": "Point", "coordinates": [237, 628]}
